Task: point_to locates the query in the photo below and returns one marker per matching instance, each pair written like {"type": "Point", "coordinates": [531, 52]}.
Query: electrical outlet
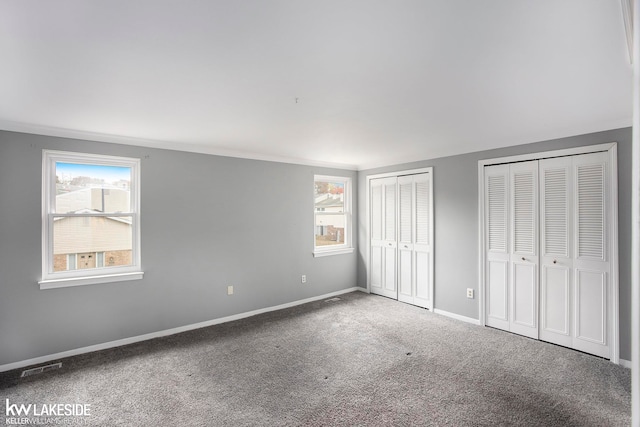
{"type": "Point", "coordinates": [230, 290]}
{"type": "Point", "coordinates": [303, 279]}
{"type": "Point", "coordinates": [469, 293]}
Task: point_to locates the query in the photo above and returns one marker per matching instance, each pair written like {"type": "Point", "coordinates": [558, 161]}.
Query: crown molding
{"type": "Point", "coordinates": [165, 145]}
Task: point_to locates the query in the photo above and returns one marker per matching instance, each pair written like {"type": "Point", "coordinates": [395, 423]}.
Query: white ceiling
{"type": "Point", "coordinates": [376, 82]}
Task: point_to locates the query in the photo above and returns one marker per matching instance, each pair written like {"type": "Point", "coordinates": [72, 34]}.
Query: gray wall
{"type": "Point", "coordinates": [207, 222]}
{"type": "Point", "coordinates": [456, 222]}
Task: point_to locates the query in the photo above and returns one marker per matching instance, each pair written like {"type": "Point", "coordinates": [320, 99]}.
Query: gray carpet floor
{"type": "Point", "coordinates": [360, 360]}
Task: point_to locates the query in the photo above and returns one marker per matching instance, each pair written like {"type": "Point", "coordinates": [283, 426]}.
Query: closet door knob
{"type": "Point", "coordinates": [554, 261]}
{"type": "Point", "coordinates": [523, 258]}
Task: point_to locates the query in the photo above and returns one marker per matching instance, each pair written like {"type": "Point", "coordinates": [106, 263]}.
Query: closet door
{"type": "Point", "coordinates": [383, 236]}
{"type": "Point", "coordinates": [414, 248]}
{"type": "Point", "coordinates": [556, 254]}
{"type": "Point", "coordinates": [524, 248]}
{"type": "Point", "coordinates": [511, 229]}
{"type": "Point", "coordinates": [497, 246]}
{"type": "Point", "coordinates": [574, 267]}
{"type": "Point", "coordinates": [423, 240]}
{"type": "Point", "coordinates": [592, 260]}
{"type": "Point", "coordinates": [406, 222]}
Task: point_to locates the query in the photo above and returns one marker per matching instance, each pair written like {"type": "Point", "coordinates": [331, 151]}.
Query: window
{"type": "Point", "coordinates": [91, 222]}
{"type": "Point", "coordinates": [332, 215]}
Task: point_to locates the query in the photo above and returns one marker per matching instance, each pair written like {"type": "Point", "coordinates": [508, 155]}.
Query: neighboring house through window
{"type": "Point", "coordinates": [91, 229]}
{"type": "Point", "coordinates": [332, 215]}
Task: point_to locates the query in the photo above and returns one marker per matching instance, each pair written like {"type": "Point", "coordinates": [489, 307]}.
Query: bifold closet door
{"type": "Point", "coordinates": [556, 255]}
{"type": "Point", "coordinates": [414, 249]}
{"type": "Point", "coordinates": [511, 203]}
{"type": "Point", "coordinates": [568, 285]}
{"type": "Point", "coordinates": [497, 246]}
{"type": "Point", "coordinates": [575, 310]}
{"type": "Point", "coordinates": [383, 236]}
{"type": "Point", "coordinates": [523, 224]}
{"type": "Point", "coordinates": [592, 260]}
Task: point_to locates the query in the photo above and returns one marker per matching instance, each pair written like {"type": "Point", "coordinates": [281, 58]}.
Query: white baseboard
{"type": "Point", "coordinates": [131, 340]}
{"type": "Point", "coordinates": [622, 362]}
{"type": "Point", "coordinates": [456, 316]}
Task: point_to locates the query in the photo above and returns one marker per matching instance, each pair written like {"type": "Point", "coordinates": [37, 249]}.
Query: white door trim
{"type": "Point", "coordinates": [367, 261]}
{"type": "Point", "coordinates": [612, 150]}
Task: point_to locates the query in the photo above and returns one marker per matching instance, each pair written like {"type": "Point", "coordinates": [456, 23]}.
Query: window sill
{"type": "Point", "coordinates": [333, 252]}
{"type": "Point", "coordinates": [89, 280]}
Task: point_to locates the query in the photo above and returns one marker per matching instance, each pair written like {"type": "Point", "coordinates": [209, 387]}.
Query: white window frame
{"type": "Point", "coordinates": [347, 246]}
{"type": "Point", "coordinates": [78, 277]}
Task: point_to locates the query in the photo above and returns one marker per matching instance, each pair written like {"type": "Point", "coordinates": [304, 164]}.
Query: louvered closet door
{"type": "Point", "coordinates": [497, 246]}
{"type": "Point", "coordinates": [406, 220]}
{"type": "Point", "coordinates": [422, 247]}
{"type": "Point", "coordinates": [383, 236]}
{"type": "Point", "coordinates": [592, 261]}
{"type": "Point", "coordinates": [414, 249]}
{"type": "Point", "coordinates": [556, 252]}
{"type": "Point", "coordinates": [573, 269]}
{"type": "Point", "coordinates": [523, 278]}
{"type": "Point", "coordinates": [511, 204]}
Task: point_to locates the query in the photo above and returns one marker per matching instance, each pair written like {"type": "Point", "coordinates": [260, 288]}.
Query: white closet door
{"type": "Point", "coordinates": [383, 236]}
{"type": "Point", "coordinates": [572, 266]}
{"type": "Point", "coordinates": [591, 263]}
{"type": "Point", "coordinates": [497, 246]}
{"type": "Point", "coordinates": [423, 240]}
{"type": "Point", "coordinates": [405, 239]}
{"type": "Point", "coordinates": [414, 245]}
{"type": "Point", "coordinates": [524, 248]}
{"type": "Point", "coordinates": [556, 252]}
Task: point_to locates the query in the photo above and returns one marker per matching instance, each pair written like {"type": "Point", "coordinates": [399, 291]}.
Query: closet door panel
{"type": "Point", "coordinates": [555, 303]}
{"type": "Point", "coordinates": [556, 259]}
{"type": "Point", "coordinates": [591, 263]}
{"type": "Point", "coordinates": [497, 311]}
{"type": "Point", "coordinates": [524, 298]}
{"type": "Point", "coordinates": [376, 268]}
{"type": "Point", "coordinates": [383, 235]}
{"type": "Point", "coordinates": [405, 239]}
{"type": "Point", "coordinates": [376, 195]}
{"type": "Point", "coordinates": [497, 246]}
{"type": "Point", "coordinates": [422, 230]}
{"type": "Point", "coordinates": [405, 276]}
{"type": "Point", "coordinates": [591, 299]}
{"type": "Point", "coordinates": [524, 248]}
{"type": "Point", "coordinates": [390, 244]}
{"type": "Point", "coordinates": [390, 271]}
{"type": "Point", "coordinates": [423, 279]}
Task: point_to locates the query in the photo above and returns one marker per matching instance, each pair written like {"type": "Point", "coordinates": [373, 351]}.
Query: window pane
{"type": "Point", "coordinates": [87, 236]}
{"type": "Point", "coordinates": [329, 196]}
{"type": "Point", "coordinates": [88, 188]}
{"type": "Point", "coordinates": [329, 229]}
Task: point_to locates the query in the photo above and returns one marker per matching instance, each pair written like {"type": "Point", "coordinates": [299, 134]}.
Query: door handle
{"type": "Point", "coordinates": [555, 262]}
{"type": "Point", "coordinates": [523, 259]}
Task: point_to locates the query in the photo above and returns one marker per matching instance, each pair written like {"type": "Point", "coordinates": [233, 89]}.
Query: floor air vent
{"type": "Point", "coordinates": [40, 369]}
{"type": "Point", "coordinates": [332, 299]}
